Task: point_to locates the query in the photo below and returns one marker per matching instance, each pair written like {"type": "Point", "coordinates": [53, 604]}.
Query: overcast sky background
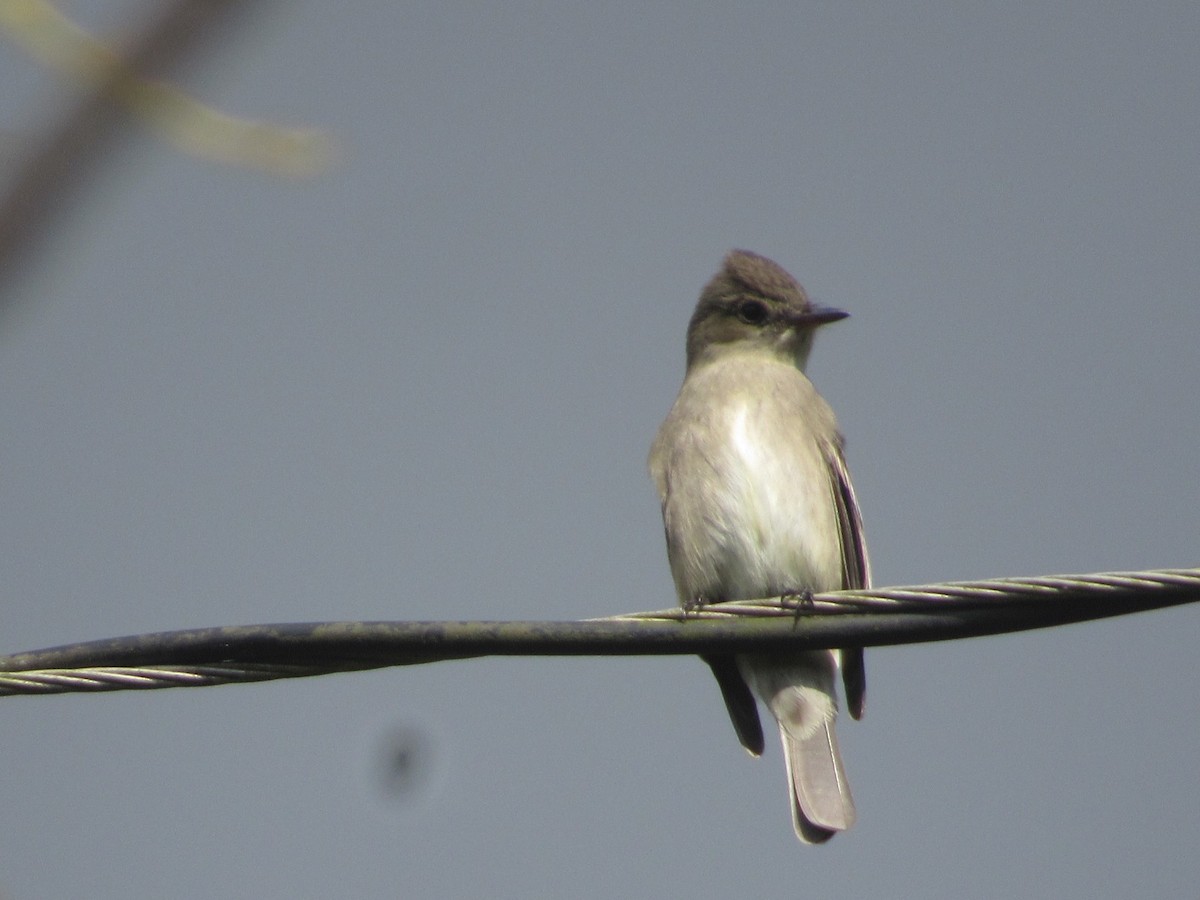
{"type": "Point", "coordinates": [423, 386]}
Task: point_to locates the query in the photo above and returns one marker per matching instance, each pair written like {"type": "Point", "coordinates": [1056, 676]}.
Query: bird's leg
{"type": "Point", "coordinates": [695, 604]}
{"type": "Point", "coordinates": [799, 601]}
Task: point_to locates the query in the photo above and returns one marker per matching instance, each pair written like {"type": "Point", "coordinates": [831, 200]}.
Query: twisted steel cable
{"type": "Point", "coordinates": [884, 616]}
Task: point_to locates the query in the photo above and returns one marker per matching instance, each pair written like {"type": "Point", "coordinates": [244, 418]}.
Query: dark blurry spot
{"type": "Point", "coordinates": [406, 762]}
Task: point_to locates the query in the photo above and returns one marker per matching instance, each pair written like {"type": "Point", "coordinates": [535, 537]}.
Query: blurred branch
{"type": "Point", "coordinates": [866, 618]}
{"type": "Point", "coordinates": [115, 82]}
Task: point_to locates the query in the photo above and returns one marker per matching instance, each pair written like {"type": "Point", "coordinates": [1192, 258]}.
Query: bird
{"type": "Point", "coordinates": [757, 502]}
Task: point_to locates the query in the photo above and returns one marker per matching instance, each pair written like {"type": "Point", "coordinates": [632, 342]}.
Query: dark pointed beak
{"type": "Point", "coordinates": [816, 315]}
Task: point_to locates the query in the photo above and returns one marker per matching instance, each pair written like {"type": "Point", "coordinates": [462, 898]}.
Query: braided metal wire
{"type": "Point", "coordinates": [141, 678]}
{"type": "Point", "coordinates": [897, 615]}
{"type": "Point", "coordinates": [960, 595]}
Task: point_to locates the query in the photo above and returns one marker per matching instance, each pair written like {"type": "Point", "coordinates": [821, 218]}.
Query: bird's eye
{"type": "Point", "coordinates": [752, 312]}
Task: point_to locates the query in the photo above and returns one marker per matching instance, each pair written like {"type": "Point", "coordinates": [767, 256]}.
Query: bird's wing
{"type": "Point", "coordinates": [856, 572]}
{"type": "Point", "coordinates": [739, 702]}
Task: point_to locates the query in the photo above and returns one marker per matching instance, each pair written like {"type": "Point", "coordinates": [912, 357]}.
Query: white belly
{"type": "Point", "coordinates": [779, 524]}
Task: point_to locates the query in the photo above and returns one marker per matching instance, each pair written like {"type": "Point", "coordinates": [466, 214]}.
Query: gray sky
{"type": "Point", "coordinates": [423, 386]}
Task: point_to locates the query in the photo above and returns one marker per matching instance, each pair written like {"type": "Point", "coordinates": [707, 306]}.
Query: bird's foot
{"type": "Point", "coordinates": [798, 601]}
{"type": "Point", "coordinates": [695, 604]}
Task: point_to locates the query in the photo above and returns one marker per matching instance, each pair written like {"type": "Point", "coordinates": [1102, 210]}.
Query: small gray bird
{"type": "Point", "coordinates": [757, 502]}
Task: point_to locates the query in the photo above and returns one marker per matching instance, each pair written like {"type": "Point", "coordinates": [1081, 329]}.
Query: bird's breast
{"type": "Point", "coordinates": [772, 495]}
{"type": "Point", "coordinates": [741, 464]}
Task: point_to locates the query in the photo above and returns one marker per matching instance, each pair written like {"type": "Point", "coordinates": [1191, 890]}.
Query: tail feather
{"type": "Point", "coordinates": [801, 695]}
{"type": "Point", "coordinates": [821, 801]}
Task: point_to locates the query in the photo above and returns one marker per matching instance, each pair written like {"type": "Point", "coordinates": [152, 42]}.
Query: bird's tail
{"type": "Point", "coordinates": [799, 690]}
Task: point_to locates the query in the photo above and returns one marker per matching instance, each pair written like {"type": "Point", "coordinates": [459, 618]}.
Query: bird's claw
{"type": "Point", "coordinates": [798, 601]}
{"type": "Point", "coordinates": [694, 604]}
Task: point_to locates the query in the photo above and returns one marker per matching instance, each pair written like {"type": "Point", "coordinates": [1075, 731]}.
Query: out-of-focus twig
{"type": "Point", "coordinates": [115, 83]}
{"type": "Point", "coordinates": [192, 126]}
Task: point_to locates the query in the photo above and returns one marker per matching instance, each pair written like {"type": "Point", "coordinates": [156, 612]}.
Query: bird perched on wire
{"type": "Point", "coordinates": [757, 502]}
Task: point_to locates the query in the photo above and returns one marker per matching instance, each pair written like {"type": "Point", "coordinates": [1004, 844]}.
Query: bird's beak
{"type": "Point", "coordinates": [816, 315]}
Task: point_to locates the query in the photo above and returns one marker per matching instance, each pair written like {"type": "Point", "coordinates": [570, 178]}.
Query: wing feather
{"type": "Point", "coordinates": [856, 572]}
